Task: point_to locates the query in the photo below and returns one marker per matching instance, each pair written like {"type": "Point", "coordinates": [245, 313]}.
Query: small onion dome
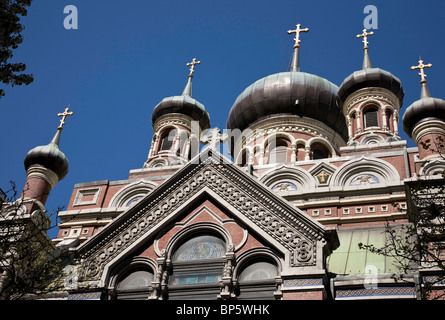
{"type": "Point", "coordinates": [422, 110]}
{"type": "Point", "coordinates": [185, 105]}
{"type": "Point", "coordinates": [367, 78]}
{"type": "Point", "coordinates": [49, 156]}
{"type": "Point", "coordinates": [294, 93]}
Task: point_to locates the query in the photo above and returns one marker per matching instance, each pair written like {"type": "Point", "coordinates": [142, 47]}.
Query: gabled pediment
{"type": "Point", "coordinates": [302, 240]}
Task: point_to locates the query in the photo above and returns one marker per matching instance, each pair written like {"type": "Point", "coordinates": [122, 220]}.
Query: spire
{"type": "Point", "coordinates": [296, 57]}
{"type": "Point", "coordinates": [188, 88]}
{"type": "Point", "coordinates": [424, 93]}
{"type": "Point", "coordinates": [366, 59]}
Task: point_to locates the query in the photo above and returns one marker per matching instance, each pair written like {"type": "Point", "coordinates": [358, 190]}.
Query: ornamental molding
{"type": "Point", "coordinates": [40, 172]}
{"type": "Point", "coordinates": [291, 228]}
{"type": "Point", "coordinates": [259, 132]}
{"type": "Point", "coordinates": [172, 120]}
{"type": "Point", "coordinates": [371, 94]}
{"type": "Point", "coordinates": [428, 127]}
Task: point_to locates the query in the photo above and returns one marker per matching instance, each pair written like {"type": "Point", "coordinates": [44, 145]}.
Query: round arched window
{"type": "Point", "coordinates": [201, 247]}
{"type": "Point", "coordinates": [135, 280]}
{"type": "Point", "coordinates": [257, 280]}
{"type": "Point", "coordinates": [259, 271]}
{"type": "Point", "coordinates": [197, 268]}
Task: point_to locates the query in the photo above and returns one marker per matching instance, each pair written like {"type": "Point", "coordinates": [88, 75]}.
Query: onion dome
{"type": "Point", "coordinates": [289, 93]}
{"type": "Point", "coordinates": [424, 109]}
{"type": "Point", "coordinates": [369, 77]}
{"type": "Point", "coordinates": [184, 104]}
{"type": "Point", "coordinates": [294, 93]}
{"type": "Point", "coordinates": [49, 156]}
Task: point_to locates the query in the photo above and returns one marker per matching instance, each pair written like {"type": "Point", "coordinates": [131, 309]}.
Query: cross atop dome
{"type": "Point", "coordinates": [64, 115]}
{"type": "Point", "coordinates": [366, 60]}
{"type": "Point", "coordinates": [365, 35]}
{"type": "Point", "coordinates": [192, 64]}
{"type": "Point", "coordinates": [296, 57]}
{"type": "Point", "coordinates": [297, 34]}
{"type": "Point", "coordinates": [188, 88]}
{"type": "Point", "coordinates": [421, 66]}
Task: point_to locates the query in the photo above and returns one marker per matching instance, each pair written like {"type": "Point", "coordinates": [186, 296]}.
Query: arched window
{"type": "Point", "coordinates": [256, 280]}
{"type": "Point", "coordinates": [244, 157]}
{"type": "Point", "coordinates": [319, 151]}
{"type": "Point", "coordinates": [134, 284]}
{"type": "Point", "coordinates": [278, 151]}
{"type": "Point", "coordinates": [133, 201]}
{"type": "Point", "coordinates": [371, 117]}
{"type": "Point", "coordinates": [167, 140]}
{"type": "Point", "coordinates": [197, 268]}
{"type": "Point", "coordinates": [258, 271]}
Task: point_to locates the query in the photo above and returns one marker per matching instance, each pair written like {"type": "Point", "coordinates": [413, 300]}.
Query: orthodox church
{"type": "Point", "coordinates": [313, 170]}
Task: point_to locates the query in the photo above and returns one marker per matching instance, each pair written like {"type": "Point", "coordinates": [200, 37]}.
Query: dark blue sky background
{"type": "Point", "coordinates": [126, 56]}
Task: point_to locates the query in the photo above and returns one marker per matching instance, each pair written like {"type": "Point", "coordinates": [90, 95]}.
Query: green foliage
{"type": "Point", "coordinates": [10, 38]}
{"type": "Point", "coordinates": [420, 245]}
{"type": "Point", "coordinates": [30, 264]}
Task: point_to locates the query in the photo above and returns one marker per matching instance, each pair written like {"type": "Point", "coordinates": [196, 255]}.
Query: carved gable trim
{"type": "Point", "coordinates": [288, 226]}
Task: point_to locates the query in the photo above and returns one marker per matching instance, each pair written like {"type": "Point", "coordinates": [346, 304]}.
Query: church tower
{"type": "Point", "coordinates": [371, 99]}
{"type": "Point", "coordinates": [424, 120]}
{"type": "Point", "coordinates": [177, 124]}
{"type": "Point", "coordinates": [45, 166]}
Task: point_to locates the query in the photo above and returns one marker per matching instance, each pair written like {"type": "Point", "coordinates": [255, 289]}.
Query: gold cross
{"type": "Point", "coordinates": [422, 66]}
{"type": "Point", "coordinates": [192, 64]}
{"type": "Point", "coordinates": [297, 34]}
{"type": "Point", "coordinates": [322, 177]}
{"type": "Point", "coordinates": [365, 35]}
{"type": "Point", "coordinates": [64, 115]}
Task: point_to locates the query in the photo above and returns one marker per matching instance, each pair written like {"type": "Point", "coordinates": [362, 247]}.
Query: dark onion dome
{"type": "Point", "coordinates": [49, 156]}
{"type": "Point", "coordinates": [367, 78]}
{"type": "Point", "coordinates": [294, 93]}
{"type": "Point", "coordinates": [427, 108]}
{"type": "Point", "coordinates": [185, 105]}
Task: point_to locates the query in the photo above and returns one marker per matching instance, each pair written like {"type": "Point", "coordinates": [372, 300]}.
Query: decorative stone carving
{"type": "Point", "coordinates": [270, 213]}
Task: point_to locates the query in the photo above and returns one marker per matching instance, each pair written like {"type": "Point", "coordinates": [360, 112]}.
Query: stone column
{"type": "Point", "coordinates": [293, 156]}
{"type": "Point", "coordinates": [359, 122]}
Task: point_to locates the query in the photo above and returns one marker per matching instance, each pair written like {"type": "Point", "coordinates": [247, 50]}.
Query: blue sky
{"type": "Point", "coordinates": [126, 56]}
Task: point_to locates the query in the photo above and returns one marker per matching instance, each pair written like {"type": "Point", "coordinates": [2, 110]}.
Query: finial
{"type": "Point", "coordinates": [365, 35]}
{"type": "Point", "coordinates": [425, 92]}
{"type": "Point", "coordinates": [188, 88]}
{"type": "Point", "coordinates": [64, 115]}
{"type": "Point", "coordinates": [366, 59]}
{"type": "Point", "coordinates": [296, 58]}
{"type": "Point", "coordinates": [192, 64]}
{"type": "Point", "coordinates": [56, 139]}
